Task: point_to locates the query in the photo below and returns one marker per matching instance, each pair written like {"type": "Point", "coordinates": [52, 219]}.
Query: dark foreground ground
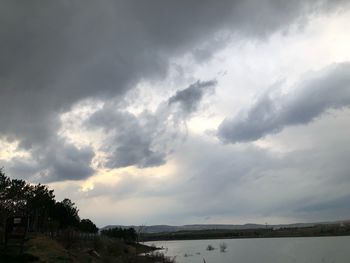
{"type": "Point", "coordinates": [40, 248]}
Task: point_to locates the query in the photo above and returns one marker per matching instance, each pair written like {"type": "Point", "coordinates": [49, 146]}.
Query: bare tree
{"type": "Point", "coordinates": [140, 232]}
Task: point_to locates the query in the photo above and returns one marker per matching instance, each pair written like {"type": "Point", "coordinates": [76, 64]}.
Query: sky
{"type": "Point", "coordinates": [180, 112]}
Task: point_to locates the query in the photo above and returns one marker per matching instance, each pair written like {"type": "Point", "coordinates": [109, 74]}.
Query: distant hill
{"type": "Point", "coordinates": [168, 228]}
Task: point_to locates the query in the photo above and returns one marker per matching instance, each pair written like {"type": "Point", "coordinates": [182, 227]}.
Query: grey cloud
{"type": "Point", "coordinates": [339, 203]}
{"type": "Point", "coordinates": [146, 140]}
{"type": "Point", "coordinates": [321, 91]}
{"type": "Point", "coordinates": [57, 161]}
{"type": "Point", "coordinates": [230, 180]}
{"type": "Point", "coordinates": [191, 96]}
{"type": "Point", "coordinates": [67, 162]}
{"type": "Point", "coordinates": [130, 138]}
{"type": "Point", "coordinates": [57, 53]}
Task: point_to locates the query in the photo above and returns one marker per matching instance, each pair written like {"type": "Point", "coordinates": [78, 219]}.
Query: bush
{"type": "Point", "coordinates": [210, 248]}
{"type": "Point", "coordinates": [223, 247]}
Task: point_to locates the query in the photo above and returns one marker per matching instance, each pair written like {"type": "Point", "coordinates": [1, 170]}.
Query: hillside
{"type": "Point", "coordinates": [196, 227]}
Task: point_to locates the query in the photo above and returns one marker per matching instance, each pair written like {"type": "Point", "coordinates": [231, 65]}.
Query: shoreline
{"type": "Point", "coordinates": [223, 238]}
{"type": "Point", "coordinates": [245, 234]}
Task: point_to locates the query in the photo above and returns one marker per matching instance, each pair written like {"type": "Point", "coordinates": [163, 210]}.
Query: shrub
{"type": "Point", "coordinates": [223, 247]}
{"type": "Point", "coordinates": [210, 248]}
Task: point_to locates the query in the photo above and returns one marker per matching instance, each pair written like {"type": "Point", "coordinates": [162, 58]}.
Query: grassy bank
{"type": "Point", "coordinates": [40, 248]}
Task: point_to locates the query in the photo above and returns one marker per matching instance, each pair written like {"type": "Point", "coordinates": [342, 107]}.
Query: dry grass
{"type": "Point", "coordinates": [48, 250]}
{"type": "Point", "coordinates": [99, 250]}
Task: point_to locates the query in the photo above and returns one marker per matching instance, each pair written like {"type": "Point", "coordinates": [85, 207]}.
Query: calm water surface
{"type": "Point", "coordinates": [264, 250]}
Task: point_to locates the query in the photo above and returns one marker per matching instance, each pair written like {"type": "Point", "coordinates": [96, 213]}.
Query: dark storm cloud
{"type": "Point", "coordinates": [57, 53]}
{"type": "Point", "coordinates": [190, 97]}
{"type": "Point", "coordinates": [321, 91]}
{"type": "Point", "coordinates": [57, 161]}
{"type": "Point", "coordinates": [67, 162]}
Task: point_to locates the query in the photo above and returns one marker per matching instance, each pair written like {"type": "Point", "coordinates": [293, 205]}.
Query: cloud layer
{"type": "Point", "coordinates": [225, 182]}
{"type": "Point", "coordinates": [110, 102]}
{"type": "Point", "coordinates": [146, 139]}
{"type": "Point", "coordinates": [321, 91]}
{"type": "Point", "coordinates": [56, 54]}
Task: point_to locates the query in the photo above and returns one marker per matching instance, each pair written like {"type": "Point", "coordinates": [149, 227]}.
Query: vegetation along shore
{"type": "Point", "coordinates": [34, 227]}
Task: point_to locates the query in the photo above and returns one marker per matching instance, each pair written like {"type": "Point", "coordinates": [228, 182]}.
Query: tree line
{"type": "Point", "coordinates": [127, 234]}
{"type": "Point", "coordinates": [37, 203]}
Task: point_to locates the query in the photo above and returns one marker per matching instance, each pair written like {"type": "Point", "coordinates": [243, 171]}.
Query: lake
{"type": "Point", "coordinates": [263, 250]}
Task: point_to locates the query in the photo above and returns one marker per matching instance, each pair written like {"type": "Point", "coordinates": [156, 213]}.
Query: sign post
{"type": "Point", "coordinates": [16, 229]}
